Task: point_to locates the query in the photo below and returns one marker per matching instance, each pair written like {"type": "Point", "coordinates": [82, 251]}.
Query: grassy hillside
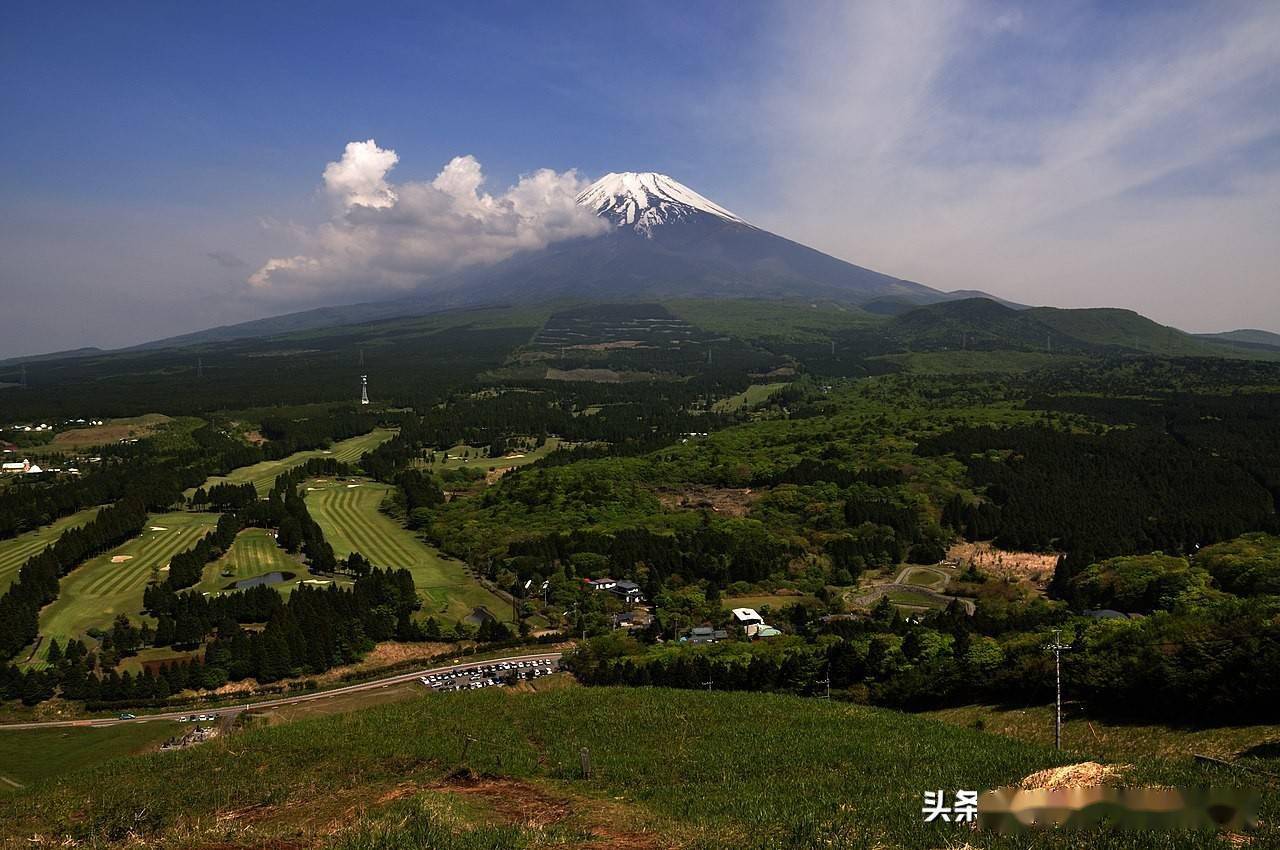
{"type": "Point", "coordinates": [1105, 326]}
{"type": "Point", "coordinates": [693, 769]}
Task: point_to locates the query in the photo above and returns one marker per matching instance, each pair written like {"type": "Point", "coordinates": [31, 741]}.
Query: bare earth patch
{"type": "Point", "coordinates": [518, 802]}
{"type": "Point", "coordinates": [120, 559]}
{"type": "Point", "coordinates": [1035, 567]}
{"type": "Point", "coordinates": [730, 501]}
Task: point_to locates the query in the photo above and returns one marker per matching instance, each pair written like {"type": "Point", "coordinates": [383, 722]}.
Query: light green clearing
{"type": "Point", "coordinates": [351, 522]}
{"type": "Point", "coordinates": [29, 755]}
{"type": "Point", "coordinates": [453, 459]}
{"type": "Point", "coordinates": [923, 577]}
{"type": "Point", "coordinates": [775, 601]}
{"type": "Point", "coordinates": [15, 551]}
{"type": "Point", "coordinates": [95, 592]}
{"type": "Point", "coordinates": [254, 553]}
{"type": "Point", "coordinates": [911, 599]}
{"type": "Point", "coordinates": [263, 475]}
{"type": "Point", "coordinates": [754, 396]}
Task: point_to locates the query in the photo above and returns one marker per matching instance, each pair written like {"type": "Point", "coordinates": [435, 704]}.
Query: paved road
{"type": "Point", "coordinates": [225, 710]}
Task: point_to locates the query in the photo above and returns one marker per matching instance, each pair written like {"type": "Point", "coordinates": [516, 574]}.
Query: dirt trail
{"type": "Point", "coordinates": [519, 802]}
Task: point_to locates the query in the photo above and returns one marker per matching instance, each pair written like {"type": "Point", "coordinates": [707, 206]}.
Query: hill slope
{"type": "Point", "coordinates": [688, 768]}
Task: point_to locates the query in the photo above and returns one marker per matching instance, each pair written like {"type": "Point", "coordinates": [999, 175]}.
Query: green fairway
{"type": "Point", "coordinates": [348, 513]}
{"type": "Point", "coordinates": [15, 551]}
{"type": "Point", "coordinates": [29, 755]}
{"type": "Point", "coordinates": [263, 475]}
{"type": "Point", "coordinates": [452, 458]}
{"type": "Point", "coordinates": [95, 592]}
{"type": "Point", "coordinates": [254, 553]}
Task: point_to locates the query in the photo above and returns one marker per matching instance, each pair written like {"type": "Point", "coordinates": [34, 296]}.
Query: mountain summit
{"type": "Point", "coordinates": [668, 241]}
{"type": "Point", "coordinates": [643, 199]}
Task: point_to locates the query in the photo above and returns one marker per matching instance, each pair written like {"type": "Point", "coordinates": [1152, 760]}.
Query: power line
{"type": "Point", "coordinates": [1057, 648]}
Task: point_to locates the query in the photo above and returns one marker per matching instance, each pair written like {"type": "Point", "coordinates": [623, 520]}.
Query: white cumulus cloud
{"type": "Point", "coordinates": [387, 237]}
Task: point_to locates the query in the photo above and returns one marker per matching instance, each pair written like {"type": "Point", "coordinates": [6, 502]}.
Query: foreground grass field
{"type": "Point", "coordinates": [95, 592]}
{"type": "Point", "coordinates": [263, 475]}
{"type": "Point", "coordinates": [31, 755]}
{"type": "Point", "coordinates": [669, 768]}
{"type": "Point", "coordinates": [15, 551]}
{"type": "Point", "coordinates": [348, 513]}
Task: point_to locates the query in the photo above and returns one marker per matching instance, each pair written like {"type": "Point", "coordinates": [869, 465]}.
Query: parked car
{"type": "Point", "coordinates": [127, 716]}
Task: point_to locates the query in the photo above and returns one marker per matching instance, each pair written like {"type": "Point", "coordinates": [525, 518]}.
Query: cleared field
{"type": "Point", "coordinates": [925, 577]}
{"type": "Point", "coordinates": [95, 592]}
{"type": "Point", "coordinates": [911, 599]}
{"type": "Point", "coordinates": [351, 522]}
{"type": "Point", "coordinates": [754, 395]}
{"type": "Point", "coordinates": [254, 553]}
{"type": "Point", "coordinates": [29, 755]}
{"type": "Point", "coordinates": [263, 475]}
{"type": "Point", "coordinates": [111, 431]}
{"type": "Point", "coordinates": [15, 551]}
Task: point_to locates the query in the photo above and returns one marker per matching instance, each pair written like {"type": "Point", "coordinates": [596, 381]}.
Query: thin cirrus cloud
{"type": "Point", "coordinates": [387, 237]}
{"type": "Point", "coordinates": [1044, 153]}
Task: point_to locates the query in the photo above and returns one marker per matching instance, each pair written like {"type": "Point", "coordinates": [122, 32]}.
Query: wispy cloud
{"type": "Point", "coordinates": [387, 237]}
{"type": "Point", "coordinates": [1034, 154]}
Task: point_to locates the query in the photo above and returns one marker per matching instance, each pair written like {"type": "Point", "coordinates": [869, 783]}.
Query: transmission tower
{"type": "Point", "coordinates": [364, 389]}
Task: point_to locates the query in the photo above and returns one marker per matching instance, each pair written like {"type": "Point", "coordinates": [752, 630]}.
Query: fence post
{"type": "Point", "coordinates": [584, 757]}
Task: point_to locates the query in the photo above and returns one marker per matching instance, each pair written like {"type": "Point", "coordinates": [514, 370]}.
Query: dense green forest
{"type": "Point", "coordinates": [1139, 465]}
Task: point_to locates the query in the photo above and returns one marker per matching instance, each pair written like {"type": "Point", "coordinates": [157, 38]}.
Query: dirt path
{"type": "Point", "coordinates": [522, 803]}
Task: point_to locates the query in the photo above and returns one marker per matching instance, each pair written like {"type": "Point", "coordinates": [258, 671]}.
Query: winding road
{"type": "Point", "coordinates": [232, 710]}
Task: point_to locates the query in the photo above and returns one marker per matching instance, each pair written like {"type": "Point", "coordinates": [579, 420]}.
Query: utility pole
{"type": "Point", "coordinates": [24, 376]}
{"type": "Point", "coordinates": [199, 368]}
{"type": "Point", "coordinates": [826, 681]}
{"type": "Point", "coordinates": [1057, 648]}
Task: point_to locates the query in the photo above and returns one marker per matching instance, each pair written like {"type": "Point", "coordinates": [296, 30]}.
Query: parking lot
{"type": "Point", "coordinates": [489, 675]}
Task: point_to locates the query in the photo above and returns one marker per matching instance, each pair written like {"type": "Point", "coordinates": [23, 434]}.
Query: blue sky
{"type": "Point", "coordinates": [158, 155]}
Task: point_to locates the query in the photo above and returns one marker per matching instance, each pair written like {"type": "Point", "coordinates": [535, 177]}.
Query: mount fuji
{"type": "Point", "coordinates": [667, 241]}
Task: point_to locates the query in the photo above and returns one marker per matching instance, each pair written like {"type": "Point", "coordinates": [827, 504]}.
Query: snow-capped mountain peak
{"type": "Point", "coordinates": [645, 199]}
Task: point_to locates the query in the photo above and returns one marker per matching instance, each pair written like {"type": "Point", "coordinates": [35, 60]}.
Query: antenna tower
{"type": "Point", "coordinates": [364, 389]}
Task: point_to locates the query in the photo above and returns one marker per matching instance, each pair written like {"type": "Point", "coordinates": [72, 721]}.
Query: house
{"type": "Point", "coordinates": [704, 634]}
{"type": "Point", "coordinates": [33, 470]}
{"type": "Point", "coordinates": [747, 617]}
{"type": "Point", "coordinates": [628, 591]}
{"type": "Point", "coordinates": [600, 583]}
{"type": "Point", "coordinates": [16, 467]}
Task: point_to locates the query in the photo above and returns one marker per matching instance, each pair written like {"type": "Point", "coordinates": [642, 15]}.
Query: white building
{"type": "Point", "coordinates": [16, 467]}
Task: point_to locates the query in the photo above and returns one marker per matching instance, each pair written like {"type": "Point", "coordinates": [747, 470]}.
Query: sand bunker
{"type": "Point", "coordinates": [158, 528]}
{"type": "Point", "coordinates": [120, 559]}
{"type": "Point", "coordinates": [1082, 775]}
{"type": "Point", "coordinates": [349, 486]}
